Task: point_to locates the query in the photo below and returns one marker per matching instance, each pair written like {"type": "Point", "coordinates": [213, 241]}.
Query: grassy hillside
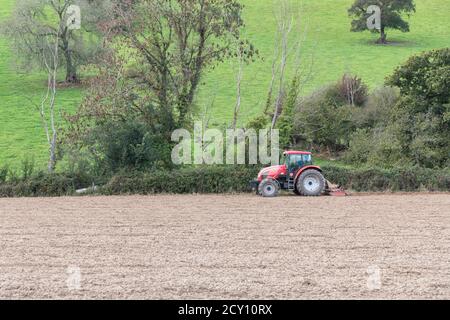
{"type": "Point", "coordinates": [334, 48]}
{"type": "Point", "coordinates": [328, 40]}
{"type": "Point", "coordinates": [21, 133]}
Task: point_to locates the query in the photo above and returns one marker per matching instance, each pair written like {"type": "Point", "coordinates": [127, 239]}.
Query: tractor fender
{"type": "Point", "coordinates": [307, 168]}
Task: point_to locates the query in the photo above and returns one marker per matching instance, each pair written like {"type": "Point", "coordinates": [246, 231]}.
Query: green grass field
{"type": "Point", "coordinates": [335, 50]}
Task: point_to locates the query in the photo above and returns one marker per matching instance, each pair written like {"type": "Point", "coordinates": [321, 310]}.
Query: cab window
{"type": "Point", "coordinates": [296, 160]}
{"type": "Point", "coordinates": [307, 159]}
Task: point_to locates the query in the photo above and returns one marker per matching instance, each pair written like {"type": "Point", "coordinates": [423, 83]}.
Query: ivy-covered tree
{"type": "Point", "coordinates": [392, 15]}
{"type": "Point", "coordinates": [173, 42]}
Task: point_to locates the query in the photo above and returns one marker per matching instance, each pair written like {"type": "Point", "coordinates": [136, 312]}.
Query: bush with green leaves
{"type": "Point", "coordinates": [421, 116]}
{"type": "Point", "coordinates": [118, 145]}
{"type": "Point", "coordinates": [375, 147]}
{"type": "Point", "coordinates": [203, 179]}
{"type": "Point", "coordinates": [377, 109]}
{"type": "Point", "coordinates": [323, 120]}
{"type": "Point", "coordinates": [44, 185]}
{"type": "Point", "coordinates": [4, 172]}
{"type": "Point", "coordinates": [285, 123]}
{"type": "Point", "coordinates": [411, 127]}
{"type": "Point", "coordinates": [375, 179]}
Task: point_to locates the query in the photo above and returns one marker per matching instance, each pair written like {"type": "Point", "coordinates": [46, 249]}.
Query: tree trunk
{"type": "Point", "coordinates": [237, 106]}
{"type": "Point", "coordinates": [383, 37]}
{"type": "Point", "coordinates": [52, 160]}
{"type": "Point", "coordinates": [71, 70]}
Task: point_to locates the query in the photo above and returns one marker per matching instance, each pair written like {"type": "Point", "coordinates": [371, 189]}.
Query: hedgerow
{"type": "Point", "coordinates": [222, 179]}
{"type": "Point", "coordinates": [43, 185]}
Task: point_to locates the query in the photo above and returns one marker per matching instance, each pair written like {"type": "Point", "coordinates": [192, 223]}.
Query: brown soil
{"type": "Point", "coordinates": [231, 246]}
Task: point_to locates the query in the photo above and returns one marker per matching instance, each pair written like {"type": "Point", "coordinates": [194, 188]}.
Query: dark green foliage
{"type": "Point", "coordinates": [258, 123]}
{"type": "Point", "coordinates": [129, 145]}
{"type": "Point", "coordinates": [396, 179]}
{"type": "Point", "coordinates": [44, 185]}
{"type": "Point", "coordinates": [425, 77]}
{"type": "Point", "coordinates": [376, 147]}
{"type": "Point", "coordinates": [4, 172]}
{"type": "Point", "coordinates": [421, 117]}
{"type": "Point", "coordinates": [323, 120]}
{"type": "Point", "coordinates": [412, 129]}
{"type": "Point", "coordinates": [285, 121]}
{"type": "Point", "coordinates": [220, 179]}
{"type": "Point", "coordinates": [27, 167]}
{"type": "Point", "coordinates": [377, 109]}
{"type": "Point", "coordinates": [326, 119]}
{"type": "Point", "coordinates": [114, 145]}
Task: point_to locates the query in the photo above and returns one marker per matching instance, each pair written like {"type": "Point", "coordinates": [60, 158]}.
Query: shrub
{"type": "Point", "coordinates": [421, 115]}
{"type": "Point", "coordinates": [27, 167]}
{"type": "Point", "coordinates": [378, 147]}
{"type": "Point", "coordinates": [323, 120]}
{"type": "Point", "coordinates": [121, 145]}
{"type": "Point", "coordinates": [397, 179]}
{"type": "Point", "coordinates": [4, 171]}
{"type": "Point", "coordinates": [377, 109]}
{"type": "Point", "coordinates": [285, 121]}
{"type": "Point", "coordinates": [43, 185]}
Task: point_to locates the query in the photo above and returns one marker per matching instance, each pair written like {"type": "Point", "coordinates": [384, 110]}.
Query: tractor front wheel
{"type": "Point", "coordinates": [269, 188]}
{"type": "Point", "coordinates": [311, 183]}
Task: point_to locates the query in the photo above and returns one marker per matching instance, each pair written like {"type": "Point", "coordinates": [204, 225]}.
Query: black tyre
{"type": "Point", "coordinates": [269, 188]}
{"type": "Point", "coordinates": [297, 192]}
{"type": "Point", "coordinates": [311, 183]}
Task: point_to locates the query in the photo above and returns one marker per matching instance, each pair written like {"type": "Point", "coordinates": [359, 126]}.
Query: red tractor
{"type": "Point", "coordinates": [297, 174]}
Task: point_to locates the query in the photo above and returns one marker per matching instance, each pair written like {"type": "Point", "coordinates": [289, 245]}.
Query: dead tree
{"type": "Point", "coordinates": [288, 20]}
{"type": "Point", "coordinates": [50, 59]}
{"type": "Point", "coordinates": [237, 106]}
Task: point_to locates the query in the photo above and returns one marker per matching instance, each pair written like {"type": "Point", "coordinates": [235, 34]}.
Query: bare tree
{"type": "Point", "coordinates": [49, 57]}
{"type": "Point", "coordinates": [35, 22]}
{"type": "Point", "coordinates": [288, 20]}
{"type": "Point", "coordinates": [352, 89]}
{"type": "Point", "coordinates": [237, 107]}
{"type": "Point", "coordinates": [51, 62]}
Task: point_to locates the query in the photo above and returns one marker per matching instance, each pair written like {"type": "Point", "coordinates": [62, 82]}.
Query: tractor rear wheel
{"type": "Point", "coordinates": [311, 183]}
{"type": "Point", "coordinates": [269, 188]}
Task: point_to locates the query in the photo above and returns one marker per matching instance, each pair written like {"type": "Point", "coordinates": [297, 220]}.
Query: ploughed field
{"type": "Point", "coordinates": [226, 246]}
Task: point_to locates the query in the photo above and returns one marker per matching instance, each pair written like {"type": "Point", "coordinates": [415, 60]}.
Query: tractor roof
{"type": "Point", "coordinates": [296, 152]}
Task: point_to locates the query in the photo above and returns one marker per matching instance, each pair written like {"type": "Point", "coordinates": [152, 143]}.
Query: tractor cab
{"type": "Point", "coordinates": [295, 160]}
